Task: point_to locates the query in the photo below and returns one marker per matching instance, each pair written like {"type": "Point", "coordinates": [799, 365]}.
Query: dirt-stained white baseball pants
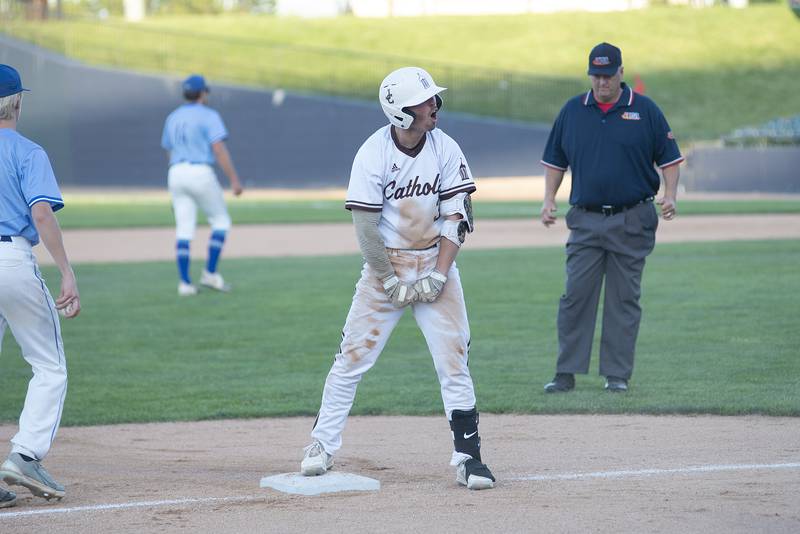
{"type": "Point", "coordinates": [27, 308]}
{"type": "Point", "coordinates": [370, 322]}
{"type": "Point", "coordinates": [191, 186]}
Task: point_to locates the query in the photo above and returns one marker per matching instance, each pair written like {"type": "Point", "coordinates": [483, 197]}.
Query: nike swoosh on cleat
{"type": "Point", "coordinates": [467, 436]}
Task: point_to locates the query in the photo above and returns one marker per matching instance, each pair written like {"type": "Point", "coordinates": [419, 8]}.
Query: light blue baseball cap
{"type": "Point", "coordinates": [195, 83]}
{"type": "Point", "coordinates": [10, 82]}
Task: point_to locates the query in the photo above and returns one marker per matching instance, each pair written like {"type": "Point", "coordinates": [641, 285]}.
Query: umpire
{"type": "Point", "coordinates": [612, 140]}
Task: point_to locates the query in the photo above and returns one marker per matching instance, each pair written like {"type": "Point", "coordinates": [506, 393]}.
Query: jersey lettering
{"type": "Point", "coordinates": [412, 189]}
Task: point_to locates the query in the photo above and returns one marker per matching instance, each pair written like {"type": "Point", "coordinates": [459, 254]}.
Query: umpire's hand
{"type": "Point", "coordinates": [549, 208]}
{"type": "Point", "coordinates": [667, 207]}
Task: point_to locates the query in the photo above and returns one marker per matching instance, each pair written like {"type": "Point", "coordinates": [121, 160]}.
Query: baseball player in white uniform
{"type": "Point", "coordinates": [409, 197]}
{"type": "Point", "coordinates": [194, 136]}
{"type": "Point", "coordinates": [29, 195]}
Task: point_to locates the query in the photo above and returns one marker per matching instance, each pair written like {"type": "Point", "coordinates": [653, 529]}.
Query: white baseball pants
{"type": "Point", "coordinates": [28, 309]}
{"type": "Point", "coordinates": [192, 185]}
{"type": "Point", "coordinates": [369, 324]}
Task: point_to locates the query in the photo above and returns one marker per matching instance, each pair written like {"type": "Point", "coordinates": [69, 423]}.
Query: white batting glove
{"type": "Point", "coordinates": [400, 293]}
{"type": "Point", "coordinates": [430, 287]}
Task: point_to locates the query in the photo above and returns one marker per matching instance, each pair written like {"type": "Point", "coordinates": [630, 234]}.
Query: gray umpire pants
{"type": "Point", "coordinates": [613, 247]}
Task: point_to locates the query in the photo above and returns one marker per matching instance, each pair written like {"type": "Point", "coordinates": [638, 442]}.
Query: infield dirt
{"type": "Point", "coordinates": [129, 464]}
{"type": "Point", "coordinates": [157, 244]}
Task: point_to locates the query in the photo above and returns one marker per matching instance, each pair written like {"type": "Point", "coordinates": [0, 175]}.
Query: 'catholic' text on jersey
{"type": "Point", "coordinates": [406, 185]}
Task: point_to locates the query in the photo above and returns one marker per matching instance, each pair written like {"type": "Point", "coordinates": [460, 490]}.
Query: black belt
{"type": "Point", "coordinates": [613, 210]}
{"type": "Point", "coordinates": [5, 238]}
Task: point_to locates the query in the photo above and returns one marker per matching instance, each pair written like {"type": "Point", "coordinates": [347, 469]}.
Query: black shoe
{"type": "Point", "coordinates": [561, 383]}
{"type": "Point", "coordinates": [474, 475]}
{"type": "Point", "coordinates": [616, 384]}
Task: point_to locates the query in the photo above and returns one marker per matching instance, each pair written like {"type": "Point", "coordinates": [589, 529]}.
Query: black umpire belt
{"type": "Point", "coordinates": [613, 210]}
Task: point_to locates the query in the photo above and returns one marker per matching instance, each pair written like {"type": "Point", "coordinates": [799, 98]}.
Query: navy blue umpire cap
{"type": "Point", "coordinates": [195, 83]}
{"type": "Point", "coordinates": [604, 59]}
{"type": "Point", "coordinates": [10, 82]}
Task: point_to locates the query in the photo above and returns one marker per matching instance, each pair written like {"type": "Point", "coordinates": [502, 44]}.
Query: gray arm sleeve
{"type": "Point", "coordinates": [372, 246]}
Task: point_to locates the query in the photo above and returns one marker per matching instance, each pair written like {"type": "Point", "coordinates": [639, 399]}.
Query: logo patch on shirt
{"type": "Point", "coordinates": [601, 61]}
{"type": "Point", "coordinates": [462, 170]}
{"type": "Point", "coordinates": [395, 168]}
{"type": "Point", "coordinates": [631, 116]}
{"type": "Point", "coordinates": [670, 136]}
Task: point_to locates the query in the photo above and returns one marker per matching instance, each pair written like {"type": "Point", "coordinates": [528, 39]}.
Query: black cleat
{"type": "Point", "coordinates": [561, 383]}
{"type": "Point", "coordinates": [616, 384]}
{"type": "Point", "coordinates": [474, 475]}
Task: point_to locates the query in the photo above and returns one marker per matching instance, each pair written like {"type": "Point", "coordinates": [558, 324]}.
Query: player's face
{"type": "Point", "coordinates": [425, 115]}
{"type": "Point", "coordinates": [607, 88]}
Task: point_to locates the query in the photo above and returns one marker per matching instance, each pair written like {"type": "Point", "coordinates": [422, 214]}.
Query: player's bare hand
{"type": "Point", "coordinates": [237, 189]}
{"type": "Point", "coordinates": [400, 293]}
{"type": "Point", "coordinates": [429, 288]}
{"type": "Point", "coordinates": [68, 302]}
{"type": "Point", "coordinates": [548, 215]}
{"type": "Point", "coordinates": [668, 207]}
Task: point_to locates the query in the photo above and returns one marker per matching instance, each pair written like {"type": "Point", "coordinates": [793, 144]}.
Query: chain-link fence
{"type": "Point", "coordinates": [317, 70]}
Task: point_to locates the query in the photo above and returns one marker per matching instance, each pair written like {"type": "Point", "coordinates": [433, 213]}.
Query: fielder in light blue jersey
{"type": "Point", "coordinates": [29, 195]}
{"type": "Point", "coordinates": [194, 136]}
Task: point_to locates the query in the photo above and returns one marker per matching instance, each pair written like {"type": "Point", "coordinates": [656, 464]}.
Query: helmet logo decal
{"type": "Point", "coordinates": [389, 97]}
{"type": "Point", "coordinates": [424, 81]}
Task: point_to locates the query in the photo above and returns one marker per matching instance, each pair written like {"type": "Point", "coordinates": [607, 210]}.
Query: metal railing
{"type": "Point", "coordinates": [317, 70]}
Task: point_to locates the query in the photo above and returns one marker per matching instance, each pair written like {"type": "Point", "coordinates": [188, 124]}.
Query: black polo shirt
{"type": "Point", "coordinates": [612, 155]}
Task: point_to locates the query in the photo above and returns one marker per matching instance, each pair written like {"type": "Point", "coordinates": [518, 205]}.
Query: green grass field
{"type": "Point", "coordinates": [711, 70]}
{"type": "Point", "coordinates": [720, 335]}
{"type": "Point", "coordinates": [86, 213]}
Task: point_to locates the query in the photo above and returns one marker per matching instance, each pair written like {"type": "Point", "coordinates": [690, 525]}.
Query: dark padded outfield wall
{"type": "Point", "coordinates": [102, 127]}
{"type": "Point", "coordinates": [765, 169]}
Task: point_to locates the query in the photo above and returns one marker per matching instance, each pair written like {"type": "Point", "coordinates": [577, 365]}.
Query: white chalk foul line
{"type": "Point", "coordinates": [128, 505]}
{"type": "Point", "coordinates": [564, 476]}
{"type": "Point", "coordinates": [655, 472]}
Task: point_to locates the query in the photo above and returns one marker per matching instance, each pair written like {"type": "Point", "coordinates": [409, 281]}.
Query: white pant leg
{"type": "Point", "coordinates": [445, 326]}
{"type": "Point", "coordinates": [371, 320]}
{"type": "Point", "coordinates": [210, 198]}
{"type": "Point", "coordinates": [29, 310]}
{"type": "Point", "coordinates": [180, 181]}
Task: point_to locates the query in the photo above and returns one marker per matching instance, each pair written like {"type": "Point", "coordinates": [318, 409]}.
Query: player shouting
{"type": "Point", "coordinates": [409, 197]}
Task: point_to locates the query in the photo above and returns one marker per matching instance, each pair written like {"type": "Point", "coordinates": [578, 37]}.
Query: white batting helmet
{"type": "Point", "coordinates": [403, 88]}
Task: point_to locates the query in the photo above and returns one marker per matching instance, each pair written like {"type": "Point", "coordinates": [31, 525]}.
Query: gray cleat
{"type": "Point", "coordinates": [7, 498]}
{"type": "Point", "coordinates": [16, 471]}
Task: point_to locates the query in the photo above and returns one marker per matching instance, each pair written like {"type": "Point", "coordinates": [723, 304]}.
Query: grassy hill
{"type": "Point", "coordinates": [711, 70]}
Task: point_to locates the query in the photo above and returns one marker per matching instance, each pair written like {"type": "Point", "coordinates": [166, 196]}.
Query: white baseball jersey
{"type": "Point", "coordinates": [406, 185]}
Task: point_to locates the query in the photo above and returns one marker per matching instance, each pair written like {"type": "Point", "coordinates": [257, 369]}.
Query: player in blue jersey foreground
{"type": "Point", "coordinates": [29, 195]}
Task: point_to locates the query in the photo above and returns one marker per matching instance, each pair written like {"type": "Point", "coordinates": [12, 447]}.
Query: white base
{"type": "Point", "coordinates": [330, 482]}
